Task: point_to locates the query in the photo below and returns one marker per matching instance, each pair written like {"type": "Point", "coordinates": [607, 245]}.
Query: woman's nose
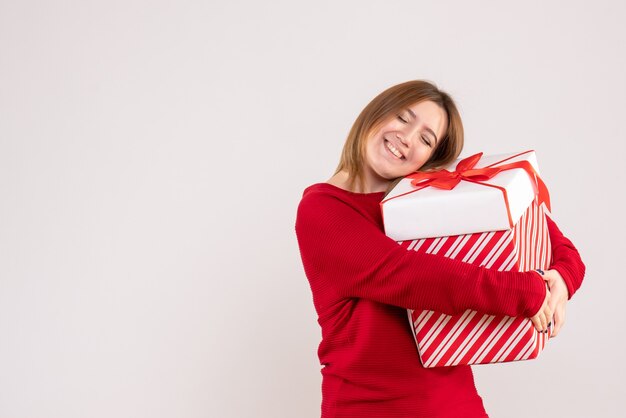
{"type": "Point", "coordinates": [402, 139]}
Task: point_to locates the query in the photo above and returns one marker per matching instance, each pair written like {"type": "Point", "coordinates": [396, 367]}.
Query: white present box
{"type": "Point", "coordinates": [476, 204]}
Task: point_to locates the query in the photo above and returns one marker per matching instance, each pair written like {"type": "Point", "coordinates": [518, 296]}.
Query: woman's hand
{"type": "Point", "coordinates": [543, 317]}
{"type": "Point", "coordinates": [558, 298]}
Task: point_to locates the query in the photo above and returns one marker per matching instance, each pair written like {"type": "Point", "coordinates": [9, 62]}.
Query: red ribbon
{"type": "Point", "coordinates": [444, 179]}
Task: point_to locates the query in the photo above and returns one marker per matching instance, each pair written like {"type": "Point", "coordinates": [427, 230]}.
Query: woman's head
{"type": "Point", "coordinates": [408, 127]}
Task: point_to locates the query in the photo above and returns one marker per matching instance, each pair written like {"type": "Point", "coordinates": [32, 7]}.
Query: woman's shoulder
{"type": "Point", "coordinates": [334, 199]}
{"type": "Point", "coordinates": [319, 193]}
{"type": "Point", "coordinates": [324, 201]}
{"type": "Point", "coordinates": [319, 201]}
{"type": "Point", "coordinates": [333, 190]}
{"type": "Point", "coordinates": [322, 188]}
{"type": "Point", "coordinates": [335, 184]}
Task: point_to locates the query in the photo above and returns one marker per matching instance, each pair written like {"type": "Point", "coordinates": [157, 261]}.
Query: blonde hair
{"type": "Point", "coordinates": [389, 103]}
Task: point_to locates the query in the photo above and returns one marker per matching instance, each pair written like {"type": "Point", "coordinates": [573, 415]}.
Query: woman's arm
{"type": "Point", "coordinates": [347, 255]}
{"type": "Point", "coordinates": [564, 276]}
{"type": "Point", "coordinates": [565, 259]}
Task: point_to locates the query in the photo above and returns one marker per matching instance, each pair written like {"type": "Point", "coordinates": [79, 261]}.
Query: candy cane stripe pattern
{"type": "Point", "coordinates": [473, 337]}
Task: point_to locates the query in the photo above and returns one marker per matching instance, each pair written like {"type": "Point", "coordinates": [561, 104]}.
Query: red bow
{"type": "Point", "coordinates": [444, 179]}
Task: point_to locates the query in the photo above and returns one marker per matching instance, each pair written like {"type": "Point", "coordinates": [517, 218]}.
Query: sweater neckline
{"type": "Point", "coordinates": [348, 192]}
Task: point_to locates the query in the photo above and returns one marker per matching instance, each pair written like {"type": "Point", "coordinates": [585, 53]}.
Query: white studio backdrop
{"type": "Point", "coordinates": [153, 154]}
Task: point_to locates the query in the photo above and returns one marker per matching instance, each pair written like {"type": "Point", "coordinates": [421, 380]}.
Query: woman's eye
{"type": "Point", "coordinates": [402, 119]}
{"type": "Point", "coordinates": [426, 141]}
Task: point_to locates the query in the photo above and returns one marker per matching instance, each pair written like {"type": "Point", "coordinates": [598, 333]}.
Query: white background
{"type": "Point", "coordinates": [153, 154]}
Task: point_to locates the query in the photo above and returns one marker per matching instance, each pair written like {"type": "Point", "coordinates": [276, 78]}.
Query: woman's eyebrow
{"type": "Point", "coordinates": [425, 126]}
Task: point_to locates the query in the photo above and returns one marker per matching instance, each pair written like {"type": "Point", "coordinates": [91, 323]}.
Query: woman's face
{"type": "Point", "coordinates": [403, 143]}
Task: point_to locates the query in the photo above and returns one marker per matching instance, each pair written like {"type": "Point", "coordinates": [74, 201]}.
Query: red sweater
{"type": "Point", "coordinates": [362, 283]}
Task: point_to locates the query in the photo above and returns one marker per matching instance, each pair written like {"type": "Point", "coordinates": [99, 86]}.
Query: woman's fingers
{"type": "Point", "coordinates": [558, 299]}
{"type": "Point", "coordinates": [541, 319]}
{"type": "Point", "coordinates": [559, 319]}
{"type": "Point", "coordinates": [546, 319]}
{"type": "Point", "coordinates": [537, 322]}
{"type": "Point", "coordinates": [554, 304]}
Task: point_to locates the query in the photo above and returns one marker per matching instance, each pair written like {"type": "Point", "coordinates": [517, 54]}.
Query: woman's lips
{"type": "Point", "coordinates": [393, 150]}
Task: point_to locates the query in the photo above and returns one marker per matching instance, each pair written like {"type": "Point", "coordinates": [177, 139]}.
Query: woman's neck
{"type": "Point", "coordinates": [341, 180]}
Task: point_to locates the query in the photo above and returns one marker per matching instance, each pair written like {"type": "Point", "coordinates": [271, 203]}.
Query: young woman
{"type": "Point", "coordinates": [363, 282]}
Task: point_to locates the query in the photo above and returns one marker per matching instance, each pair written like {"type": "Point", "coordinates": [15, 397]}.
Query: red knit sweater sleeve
{"type": "Point", "coordinates": [565, 258]}
{"type": "Point", "coordinates": [346, 255]}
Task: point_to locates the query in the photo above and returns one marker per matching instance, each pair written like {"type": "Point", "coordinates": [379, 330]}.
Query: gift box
{"type": "Point", "coordinates": [473, 337]}
{"type": "Point", "coordinates": [484, 193]}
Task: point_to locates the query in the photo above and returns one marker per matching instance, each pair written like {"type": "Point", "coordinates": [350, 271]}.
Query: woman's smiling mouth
{"type": "Point", "coordinates": [393, 150]}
